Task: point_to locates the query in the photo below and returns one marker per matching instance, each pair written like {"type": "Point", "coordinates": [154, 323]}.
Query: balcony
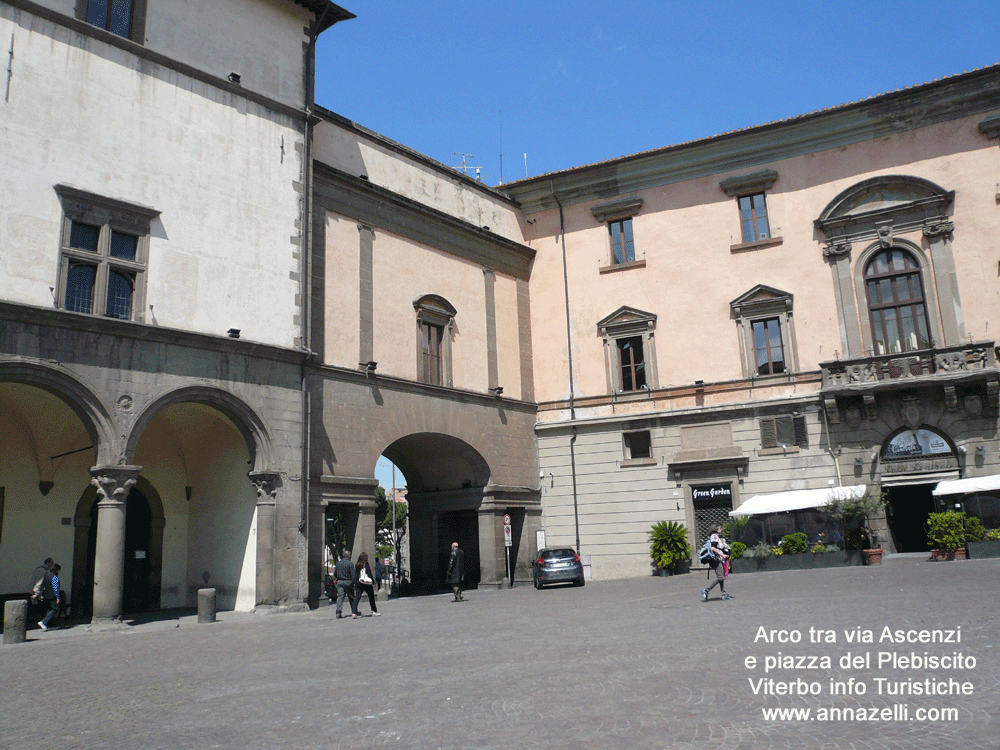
{"type": "Point", "coordinates": [973, 364]}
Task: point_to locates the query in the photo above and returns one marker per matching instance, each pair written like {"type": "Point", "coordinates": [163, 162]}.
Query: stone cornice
{"type": "Point", "coordinates": [144, 53]}
{"type": "Point", "coordinates": [383, 209]}
{"type": "Point", "coordinates": [127, 329]}
{"type": "Point", "coordinates": [940, 101]}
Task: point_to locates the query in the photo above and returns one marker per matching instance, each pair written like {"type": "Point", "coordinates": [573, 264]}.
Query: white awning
{"type": "Point", "coordinates": [972, 484]}
{"type": "Point", "coordinates": [779, 502]}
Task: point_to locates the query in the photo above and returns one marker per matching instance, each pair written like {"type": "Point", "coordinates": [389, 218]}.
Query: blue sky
{"type": "Point", "coordinates": [572, 83]}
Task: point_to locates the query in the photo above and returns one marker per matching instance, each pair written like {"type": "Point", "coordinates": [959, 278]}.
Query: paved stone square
{"type": "Point", "coordinates": [620, 664]}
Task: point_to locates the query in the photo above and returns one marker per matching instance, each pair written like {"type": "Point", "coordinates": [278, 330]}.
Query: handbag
{"type": "Point", "coordinates": [364, 577]}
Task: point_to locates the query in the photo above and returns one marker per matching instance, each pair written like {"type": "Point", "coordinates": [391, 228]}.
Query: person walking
{"type": "Point", "coordinates": [343, 575]}
{"type": "Point", "coordinates": [50, 593]}
{"type": "Point", "coordinates": [719, 556]}
{"type": "Point", "coordinates": [456, 571]}
{"type": "Point", "coordinates": [38, 579]}
{"type": "Point", "coordinates": [379, 573]}
{"type": "Point", "coordinates": [364, 583]}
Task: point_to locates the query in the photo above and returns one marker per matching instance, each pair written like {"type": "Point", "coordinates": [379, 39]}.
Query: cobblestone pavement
{"type": "Point", "coordinates": [620, 664]}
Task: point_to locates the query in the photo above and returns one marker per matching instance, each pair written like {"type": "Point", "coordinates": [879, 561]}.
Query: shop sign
{"type": "Point", "coordinates": [916, 443]}
{"type": "Point", "coordinates": [713, 492]}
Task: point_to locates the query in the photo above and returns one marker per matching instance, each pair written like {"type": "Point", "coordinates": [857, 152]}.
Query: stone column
{"type": "Point", "coordinates": [838, 253]}
{"type": "Point", "coordinates": [491, 546]}
{"type": "Point", "coordinates": [113, 484]}
{"type": "Point", "coordinates": [266, 484]}
{"type": "Point", "coordinates": [938, 234]}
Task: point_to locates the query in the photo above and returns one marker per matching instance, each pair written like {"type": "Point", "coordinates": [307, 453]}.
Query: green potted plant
{"type": "Point", "coordinates": [946, 535]}
{"type": "Point", "coordinates": [669, 547]}
{"type": "Point", "coordinates": [859, 512]}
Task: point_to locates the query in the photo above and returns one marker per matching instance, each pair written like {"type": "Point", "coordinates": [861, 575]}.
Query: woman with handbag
{"type": "Point", "coordinates": [364, 584]}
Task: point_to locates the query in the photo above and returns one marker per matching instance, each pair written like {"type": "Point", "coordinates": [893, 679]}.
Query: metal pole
{"type": "Point", "coordinates": [392, 534]}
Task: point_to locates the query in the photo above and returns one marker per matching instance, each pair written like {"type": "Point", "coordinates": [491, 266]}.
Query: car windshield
{"type": "Point", "coordinates": [558, 554]}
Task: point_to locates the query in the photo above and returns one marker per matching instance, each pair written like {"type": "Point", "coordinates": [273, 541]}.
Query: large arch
{"type": "Point", "coordinates": [242, 415]}
{"type": "Point", "coordinates": [70, 389]}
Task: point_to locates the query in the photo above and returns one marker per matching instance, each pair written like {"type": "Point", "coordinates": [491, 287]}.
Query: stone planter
{"type": "Point", "coordinates": [941, 555]}
{"type": "Point", "coordinates": [873, 556]}
{"type": "Point", "coordinates": [979, 550]}
{"type": "Point", "coordinates": [805, 561]}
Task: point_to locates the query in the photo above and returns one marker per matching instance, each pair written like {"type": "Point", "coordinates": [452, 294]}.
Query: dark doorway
{"type": "Point", "coordinates": [136, 581]}
{"type": "Point", "coordinates": [906, 511]}
{"type": "Point", "coordinates": [460, 526]}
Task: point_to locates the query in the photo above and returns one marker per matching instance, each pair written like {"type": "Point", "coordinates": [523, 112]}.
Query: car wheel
{"type": "Point", "coordinates": [538, 585]}
{"type": "Point", "coordinates": [581, 582]}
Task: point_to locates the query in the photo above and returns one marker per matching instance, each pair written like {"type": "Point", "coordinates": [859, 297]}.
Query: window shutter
{"type": "Point", "coordinates": [801, 435]}
{"type": "Point", "coordinates": [768, 434]}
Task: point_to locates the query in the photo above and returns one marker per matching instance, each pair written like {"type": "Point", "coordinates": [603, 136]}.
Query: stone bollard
{"type": "Point", "coordinates": [382, 595]}
{"type": "Point", "coordinates": [15, 620]}
{"type": "Point", "coordinates": [206, 605]}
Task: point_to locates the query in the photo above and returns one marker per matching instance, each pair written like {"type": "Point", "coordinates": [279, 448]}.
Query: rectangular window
{"type": "Point", "coordinates": [622, 244]}
{"type": "Point", "coordinates": [753, 217]}
{"type": "Point", "coordinates": [638, 445]}
{"type": "Point", "coordinates": [784, 432]}
{"type": "Point", "coordinates": [768, 353]}
{"type": "Point", "coordinates": [632, 364]}
{"type": "Point", "coordinates": [432, 337]}
{"type": "Point", "coordinates": [124, 18]}
{"type": "Point", "coordinates": [103, 252]}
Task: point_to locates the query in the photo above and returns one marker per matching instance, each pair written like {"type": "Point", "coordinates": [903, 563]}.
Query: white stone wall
{"type": "Point", "coordinates": [219, 169]}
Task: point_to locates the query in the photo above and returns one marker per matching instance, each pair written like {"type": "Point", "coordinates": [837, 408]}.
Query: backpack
{"type": "Point", "coordinates": [705, 555]}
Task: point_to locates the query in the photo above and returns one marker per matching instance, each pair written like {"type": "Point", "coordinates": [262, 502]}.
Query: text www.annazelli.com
{"type": "Point", "coordinates": [895, 712]}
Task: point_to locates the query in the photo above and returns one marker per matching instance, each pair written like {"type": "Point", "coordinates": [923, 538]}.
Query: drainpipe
{"type": "Point", "coordinates": [569, 358]}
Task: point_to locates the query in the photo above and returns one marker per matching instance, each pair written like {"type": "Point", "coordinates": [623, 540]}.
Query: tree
{"type": "Point", "coordinates": [385, 537]}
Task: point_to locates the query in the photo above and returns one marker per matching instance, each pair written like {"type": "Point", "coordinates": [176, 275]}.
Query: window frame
{"type": "Point", "coordinates": [620, 212]}
{"type": "Point", "coordinates": [630, 441]}
{"type": "Point", "coordinates": [137, 20]}
{"type": "Point", "coordinates": [769, 434]}
{"type": "Point", "coordinates": [873, 307]}
{"type": "Point", "coordinates": [760, 304]}
{"type": "Point", "coordinates": [434, 312]}
{"type": "Point", "coordinates": [628, 324]}
{"type": "Point", "coordinates": [108, 216]}
{"type": "Point", "coordinates": [625, 229]}
{"type": "Point", "coordinates": [750, 186]}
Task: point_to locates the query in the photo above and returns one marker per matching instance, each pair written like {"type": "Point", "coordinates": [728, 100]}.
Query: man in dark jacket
{"type": "Point", "coordinates": [456, 571]}
{"type": "Point", "coordinates": [343, 574]}
{"type": "Point", "coordinates": [50, 593]}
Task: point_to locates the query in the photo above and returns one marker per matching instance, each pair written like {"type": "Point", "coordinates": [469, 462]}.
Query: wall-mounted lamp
{"type": "Point", "coordinates": [497, 390]}
{"type": "Point", "coordinates": [859, 462]}
{"type": "Point", "coordinates": [980, 451]}
{"type": "Point", "coordinates": [45, 488]}
{"type": "Point", "coordinates": [369, 366]}
{"type": "Point", "coordinates": [234, 77]}
{"type": "Point", "coordinates": [363, 177]}
{"type": "Point", "coordinates": [234, 333]}
{"type": "Point", "coordinates": [874, 455]}
{"type": "Point", "coordinates": [678, 506]}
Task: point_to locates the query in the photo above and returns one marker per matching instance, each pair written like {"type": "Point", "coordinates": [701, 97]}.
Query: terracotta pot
{"type": "Point", "coordinates": [948, 554]}
{"type": "Point", "coordinates": [873, 556]}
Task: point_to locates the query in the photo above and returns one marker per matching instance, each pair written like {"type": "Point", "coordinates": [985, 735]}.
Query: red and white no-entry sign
{"type": "Point", "coordinates": [506, 519]}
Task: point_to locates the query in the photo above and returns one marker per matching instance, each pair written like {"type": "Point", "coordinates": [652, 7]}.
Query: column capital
{"type": "Point", "coordinates": [266, 483]}
{"type": "Point", "coordinates": [837, 248]}
{"type": "Point", "coordinates": [939, 230]}
{"type": "Point", "coordinates": [114, 482]}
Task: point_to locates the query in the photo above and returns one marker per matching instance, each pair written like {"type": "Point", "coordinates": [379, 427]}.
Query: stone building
{"type": "Point", "coordinates": [796, 306]}
{"type": "Point", "coordinates": [152, 285]}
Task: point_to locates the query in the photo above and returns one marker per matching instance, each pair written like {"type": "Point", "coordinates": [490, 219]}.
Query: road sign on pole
{"type": "Point", "coordinates": [506, 519]}
{"type": "Point", "coordinates": [506, 535]}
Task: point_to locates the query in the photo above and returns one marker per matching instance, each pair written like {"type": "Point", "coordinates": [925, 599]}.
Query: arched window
{"type": "Point", "coordinates": [896, 306]}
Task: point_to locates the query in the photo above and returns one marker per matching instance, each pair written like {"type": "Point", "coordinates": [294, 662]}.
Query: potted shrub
{"type": "Point", "coordinates": [946, 535]}
{"type": "Point", "coordinates": [987, 546]}
{"type": "Point", "coordinates": [858, 512]}
{"type": "Point", "coordinates": [669, 547]}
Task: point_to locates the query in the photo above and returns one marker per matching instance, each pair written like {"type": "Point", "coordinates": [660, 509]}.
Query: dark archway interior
{"type": "Point", "coordinates": [432, 462]}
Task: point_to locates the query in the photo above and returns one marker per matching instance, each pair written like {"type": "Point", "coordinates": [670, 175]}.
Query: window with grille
{"type": "Point", "coordinates": [124, 18]}
{"type": "Point", "coordinates": [896, 306]}
{"type": "Point", "coordinates": [784, 432]}
{"type": "Point", "coordinates": [103, 253]}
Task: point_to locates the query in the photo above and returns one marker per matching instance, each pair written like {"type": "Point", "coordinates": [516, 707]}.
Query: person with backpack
{"type": "Point", "coordinates": [715, 552]}
{"type": "Point", "coordinates": [50, 593]}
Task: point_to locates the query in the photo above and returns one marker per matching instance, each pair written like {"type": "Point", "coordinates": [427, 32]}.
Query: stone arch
{"type": "Point", "coordinates": [243, 417]}
{"type": "Point", "coordinates": [436, 462]}
{"type": "Point", "coordinates": [885, 194]}
{"type": "Point", "coordinates": [70, 389]}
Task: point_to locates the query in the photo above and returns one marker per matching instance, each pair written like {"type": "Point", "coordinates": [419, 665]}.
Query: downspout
{"type": "Point", "coordinates": [305, 285]}
{"type": "Point", "coordinates": [569, 359]}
